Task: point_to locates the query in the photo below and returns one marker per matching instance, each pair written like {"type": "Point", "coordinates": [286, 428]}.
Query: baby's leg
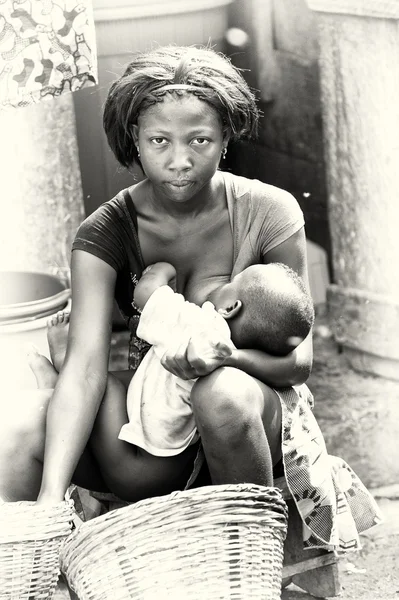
{"type": "Point", "coordinates": [46, 372]}
{"type": "Point", "coordinates": [22, 427]}
{"type": "Point", "coordinates": [57, 337]}
{"type": "Point", "coordinates": [22, 439]}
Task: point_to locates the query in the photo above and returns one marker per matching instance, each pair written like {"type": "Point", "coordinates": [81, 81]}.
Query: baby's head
{"type": "Point", "coordinates": [267, 307]}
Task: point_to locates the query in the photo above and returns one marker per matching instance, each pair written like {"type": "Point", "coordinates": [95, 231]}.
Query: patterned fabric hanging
{"type": "Point", "coordinates": [47, 48]}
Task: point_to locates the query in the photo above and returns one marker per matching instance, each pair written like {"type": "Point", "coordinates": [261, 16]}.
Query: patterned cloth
{"type": "Point", "coordinates": [47, 48]}
{"type": "Point", "coordinates": [138, 348]}
{"type": "Point", "coordinates": [333, 503]}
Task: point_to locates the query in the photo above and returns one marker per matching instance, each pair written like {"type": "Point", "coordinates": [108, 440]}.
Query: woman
{"type": "Point", "coordinates": [174, 112]}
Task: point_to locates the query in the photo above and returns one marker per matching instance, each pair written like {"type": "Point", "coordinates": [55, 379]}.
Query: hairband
{"type": "Point", "coordinates": [177, 86]}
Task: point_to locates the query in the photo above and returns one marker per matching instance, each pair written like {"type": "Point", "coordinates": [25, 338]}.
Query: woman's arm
{"type": "Point", "coordinates": [294, 368]}
{"type": "Point", "coordinates": [82, 381]}
{"type": "Point", "coordinates": [278, 371]}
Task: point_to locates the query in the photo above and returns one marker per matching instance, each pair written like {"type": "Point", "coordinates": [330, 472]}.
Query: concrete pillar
{"type": "Point", "coordinates": [41, 194]}
{"type": "Point", "coordinates": [359, 46]}
{"type": "Point", "coordinates": [41, 207]}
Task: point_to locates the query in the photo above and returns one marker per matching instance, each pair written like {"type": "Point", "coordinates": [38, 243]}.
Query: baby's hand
{"type": "Point", "coordinates": [147, 269]}
{"type": "Point", "coordinates": [153, 277]}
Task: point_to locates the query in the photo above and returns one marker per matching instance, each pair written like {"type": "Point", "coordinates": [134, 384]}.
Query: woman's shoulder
{"type": "Point", "coordinates": [114, 211]}
{"type": "Point", "coordinates": [109, 231]}
{"type": "Point", "coordinates": [262, 201]}
{"type": "Point", "coordinates": [256, 189]}
{"type": "Point", "coordinates": [107, 211]}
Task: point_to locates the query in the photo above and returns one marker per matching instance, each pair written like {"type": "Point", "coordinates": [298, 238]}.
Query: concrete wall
{"type": "Point", "coordinates": [282, 54]}
{"type": "Point", "coordinates": [41, 193]}
{"type": "Point", "coordinates": [123, 28]}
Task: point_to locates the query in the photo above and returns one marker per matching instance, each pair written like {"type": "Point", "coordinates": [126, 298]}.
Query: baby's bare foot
{"type": "Point", "coordinates": [57, 337]}
{"type": "Point", "coordinates": [43, 370]}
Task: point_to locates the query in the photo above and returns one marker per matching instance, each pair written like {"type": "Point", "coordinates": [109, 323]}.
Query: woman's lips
{"type": "Point", "coordinates": [180, 183]}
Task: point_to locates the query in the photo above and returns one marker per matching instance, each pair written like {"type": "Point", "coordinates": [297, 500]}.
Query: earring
{"type": "Point", "coordinates": [138, 151]}
{"type": "Point", "coordinates": [224, 152]}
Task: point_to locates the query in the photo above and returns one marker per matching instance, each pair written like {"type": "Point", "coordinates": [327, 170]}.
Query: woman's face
{"type": "Point", "coordinates": [180, 141]}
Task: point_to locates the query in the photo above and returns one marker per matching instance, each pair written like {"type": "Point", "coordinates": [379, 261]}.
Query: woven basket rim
{"type": "Point", "coordinates": [244, 500]}
{"type": "Point", "coordinates": [252, 490]}
{"type": "Point", "coordinates": [29, 521]}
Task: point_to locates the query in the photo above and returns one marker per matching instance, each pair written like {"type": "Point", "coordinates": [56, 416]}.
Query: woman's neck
{"type": "Point", "coordinates": [206, 200]}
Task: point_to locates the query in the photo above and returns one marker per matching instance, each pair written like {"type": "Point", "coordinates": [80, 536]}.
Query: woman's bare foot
{"type": "Point", "coordinates": [43, 370]}
{"type": "Point", "coordinates": [57, 337]}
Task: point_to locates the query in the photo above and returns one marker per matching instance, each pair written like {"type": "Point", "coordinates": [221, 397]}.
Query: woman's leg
{"type": "Point", "coordinates": [130, 472]}
{"type": "Point", "coordinates": [239, 419]}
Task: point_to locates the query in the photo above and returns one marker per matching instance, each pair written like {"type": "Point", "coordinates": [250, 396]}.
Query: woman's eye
{"type": "Point", "coordinates": [200, 141]}
{"type": "Point", "coordinates": [159, 141]}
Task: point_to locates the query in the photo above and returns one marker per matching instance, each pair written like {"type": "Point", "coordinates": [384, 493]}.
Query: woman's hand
{"type": "Point", "coordinates": [276, 371]}
{"type": "Point", "coordinates": [197, 356]}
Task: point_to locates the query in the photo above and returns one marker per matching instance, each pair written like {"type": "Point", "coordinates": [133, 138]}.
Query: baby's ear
{"type": "Point", "coordinates": [230, 311]}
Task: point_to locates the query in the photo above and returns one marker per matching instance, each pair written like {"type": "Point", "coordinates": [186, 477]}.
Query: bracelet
{"type": "Point", "coordinates": [136, 308]}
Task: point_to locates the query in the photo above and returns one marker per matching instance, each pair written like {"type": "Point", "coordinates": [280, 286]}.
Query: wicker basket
{"type": "Point", "coordinates": [207, 543]}
{"type": "Point", "coordinates": [30, 541]}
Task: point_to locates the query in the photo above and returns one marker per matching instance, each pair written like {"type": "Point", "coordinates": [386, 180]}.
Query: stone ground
{"type": "Point", "coordinates": [348, 408]}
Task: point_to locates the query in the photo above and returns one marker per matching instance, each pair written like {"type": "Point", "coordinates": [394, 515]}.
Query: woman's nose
{"type": "Point", "coordinates": [179, 158]}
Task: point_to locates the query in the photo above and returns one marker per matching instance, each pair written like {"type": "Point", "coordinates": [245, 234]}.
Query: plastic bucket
{"type": "Point", "coordinates": [27, 299]}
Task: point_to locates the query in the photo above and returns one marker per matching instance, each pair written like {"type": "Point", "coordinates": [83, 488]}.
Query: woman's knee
{"type": "Point", "coordinates": [226, 396]}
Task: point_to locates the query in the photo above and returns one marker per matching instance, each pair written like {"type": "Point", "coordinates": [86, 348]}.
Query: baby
{"type": "Point", "coordinates": [265, 307]}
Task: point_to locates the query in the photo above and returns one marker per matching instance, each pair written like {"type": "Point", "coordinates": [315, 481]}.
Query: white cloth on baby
{"type": "Point", "coordinates": [161, 420]}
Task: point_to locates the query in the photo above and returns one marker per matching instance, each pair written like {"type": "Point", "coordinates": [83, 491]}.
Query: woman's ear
{"type": "Point", "coordinates": [135, 134]}
{"type": "Point", "coordinates": [230, 311]}
{"type": "Point", "coordinates": [226, 135]}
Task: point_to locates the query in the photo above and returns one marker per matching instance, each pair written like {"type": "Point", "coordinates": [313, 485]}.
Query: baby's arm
{"type": "Point", "coordinates": [153, 277]}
